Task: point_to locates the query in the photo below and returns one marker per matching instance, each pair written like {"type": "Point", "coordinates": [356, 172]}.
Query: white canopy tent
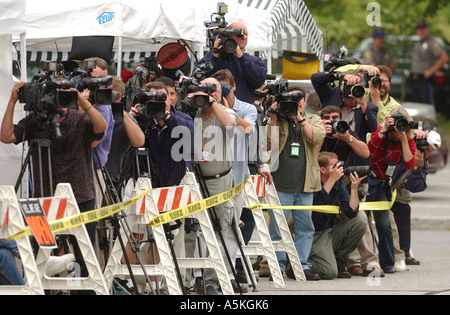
{"type": "Point", "coordinates": [12, 22]}
{"type": "Point", "coordinates": [142, 27]}
{"type": "Point", "coordinates": [43, 31]}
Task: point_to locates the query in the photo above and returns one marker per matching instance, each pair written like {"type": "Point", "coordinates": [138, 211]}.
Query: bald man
{"type": "Point", "coordinates": [249, 72]}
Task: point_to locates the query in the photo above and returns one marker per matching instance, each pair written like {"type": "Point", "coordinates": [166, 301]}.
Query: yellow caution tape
{"type": "Point", "coordinates": [201, 205]}
{"type": "Point", "coordinates": [82, 218]}
{"type": "Point", "coordinates": [166, 217]}
{"type": "Point", "coordinates": [363, 206]}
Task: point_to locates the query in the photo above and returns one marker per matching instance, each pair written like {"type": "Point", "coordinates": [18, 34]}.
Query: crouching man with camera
{"type": "Point", "coordinates": [336, 235]}
{"type": "Point", "coordinates": [392, 144]}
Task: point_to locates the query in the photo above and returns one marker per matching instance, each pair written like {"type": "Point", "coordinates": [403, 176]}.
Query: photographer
{"type": "Point", "coordinates": [126, 134]}
{"type": "Point", "coordinates": [346, 145]}
{"type": "Point", "coordinates": [161, 139]}
{"type": "Point", "coordinates": [214, 130]}
{"type": "Point", "coordinates": [297, 176]}
{"type": "Point", "coordinates": [79, 131]}
{"type": "Point", "coordinates": [412, 181]}
{"type": "Point", "coordinates": [101, 151]}
{"type": "Point", "coordinates": [389, 147]}
{"type": "Point", "coordinates": [248, 71]}
{"type": "Point", "coordinates": [247, 115]}
{"type": "Point", "coordinates": [356, 111]}
{"type": "Point", "coordinates": [336, 235]}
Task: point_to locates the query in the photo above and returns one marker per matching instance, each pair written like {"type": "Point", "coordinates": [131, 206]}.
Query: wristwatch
{"type": "Point", "coordinates": [351, 139]}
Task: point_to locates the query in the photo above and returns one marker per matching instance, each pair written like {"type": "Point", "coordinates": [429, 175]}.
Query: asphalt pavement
{"type": "Point", "coordinates": [430, 245]}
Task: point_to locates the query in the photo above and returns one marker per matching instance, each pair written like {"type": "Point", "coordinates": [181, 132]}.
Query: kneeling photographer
{"type": "Point", "coordinates": [336, 235]}
{"type": "Point", "coordinates": [342, 141]}
{"type": "Point", "coordinates": [390, 146]}
{"type": "Point", "coordinates": [294, 165]}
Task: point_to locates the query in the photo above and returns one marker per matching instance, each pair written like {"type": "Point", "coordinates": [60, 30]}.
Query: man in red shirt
{"type": "Point", "coordinates": [388, 148]}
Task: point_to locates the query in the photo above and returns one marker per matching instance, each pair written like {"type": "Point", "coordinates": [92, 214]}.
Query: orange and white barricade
{"type": "Point", "coordinates": [11, 223]}
{"type": "Point", "coordinates": [62, 205]}
{"type": "Point", "coordinates": [286, 243]}
{"type": "Point", "coordinates": [260, 192]}
{"type": "Point", "coordinates": [262, 244]}
{"type": "Point", "coordinates": [146, 209]}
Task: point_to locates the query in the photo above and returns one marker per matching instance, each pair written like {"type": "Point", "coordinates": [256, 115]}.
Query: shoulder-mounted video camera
{"type": "Point", "coordinates": [218, 28]}
{"type": "Point", "coordinates": [287, 102]}
{"type": "Point", "coordinates": [83, 79]}
{"type": "Point", "coordinates": [338, 59]}
{"type": "Point", "coordinates": [44, 95]}
{"type": "Point", "coordinates": [153, 104]}
{"type": "Point", "coordinates": [188, 85]}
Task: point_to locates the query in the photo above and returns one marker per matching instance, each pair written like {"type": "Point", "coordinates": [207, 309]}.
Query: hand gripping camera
{"type": "Point", "coordinates": [287, 102]}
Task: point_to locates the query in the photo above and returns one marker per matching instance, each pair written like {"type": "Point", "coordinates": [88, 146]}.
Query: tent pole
{"type": "Point", "coordinates": [119, 57]}
{"type": "Point", "coordinates": [23, 57]}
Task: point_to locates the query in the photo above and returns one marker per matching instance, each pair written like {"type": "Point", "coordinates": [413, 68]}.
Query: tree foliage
{"type": "Point", "coordinates": [345, 21]}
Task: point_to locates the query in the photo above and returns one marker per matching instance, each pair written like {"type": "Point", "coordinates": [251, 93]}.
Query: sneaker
{"type": "Point", "coordinates": [58, 264]}
{"type": "Point", "coordinates": [400, 266]}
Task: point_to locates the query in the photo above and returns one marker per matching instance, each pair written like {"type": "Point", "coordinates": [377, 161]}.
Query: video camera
{"type": "Point", "coordinates": [188, 85]}
{"type": "Point", "coordinates": [45, 94]}
{"type": "Point", "coordinates": [153, 104]}
{"type": "Point", "coordinates": [337, 60]}
{"type": "Point", "coordinates": [83, 80]}
{"type": "Point", "coordinates": [218, 28]}
{"type": "Point", "coordinates": [360, 170]}
{"type": "Point", "coordinates": [402, 124]}
{"type": "Point", "coordinates": [287, 102]}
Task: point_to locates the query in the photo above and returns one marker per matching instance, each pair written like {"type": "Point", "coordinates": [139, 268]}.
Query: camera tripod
{"type": "Point", "coordinates": [137, 158]}
{"type": "Point", "coordinates": [216, 224]}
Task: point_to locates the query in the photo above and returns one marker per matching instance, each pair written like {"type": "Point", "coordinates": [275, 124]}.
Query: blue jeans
{"type": "Point", "coordinates": [377, 192]}
{"type": "Point", "coordinates": [8, 264]}
{"type": "Point", "coordinates": [304, 227]}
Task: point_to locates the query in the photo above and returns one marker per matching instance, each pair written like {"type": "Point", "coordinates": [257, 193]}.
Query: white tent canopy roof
{"type": "Point", "coordinates": [145, 25]}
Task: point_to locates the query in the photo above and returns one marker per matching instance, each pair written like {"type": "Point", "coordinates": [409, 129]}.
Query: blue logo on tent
{"type": "Point", "coordinates": [106, 17]}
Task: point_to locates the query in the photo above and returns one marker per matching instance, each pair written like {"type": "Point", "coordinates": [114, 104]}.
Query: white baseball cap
{"type": "Point", "coordinates": [434, 139]}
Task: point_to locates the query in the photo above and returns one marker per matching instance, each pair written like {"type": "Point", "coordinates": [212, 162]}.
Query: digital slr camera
{"type": "Point", "coordinates": [402, 124]}
{"type": "Point", "coordinates": [357, 91]}
{"type": "Point", "coordinates": [218, 28]}
{"type": "Point", "coordinates": [338, 127]}
{"type": "Point", "coordinates": [360, 170]}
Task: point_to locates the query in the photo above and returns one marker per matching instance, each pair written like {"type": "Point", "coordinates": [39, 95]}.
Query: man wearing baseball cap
{"type": "Point", "coordinates": [379, 54]}
{"type": "Point", "coordinates": [428, 57]}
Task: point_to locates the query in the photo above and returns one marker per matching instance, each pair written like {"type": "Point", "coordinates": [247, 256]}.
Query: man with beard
{"type": "Point", "coordinates": [380, 96]}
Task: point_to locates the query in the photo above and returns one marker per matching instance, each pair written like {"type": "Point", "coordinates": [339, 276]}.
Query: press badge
{"type": "Point", "coordinates": [205, 155]}
{"type": "Point", "coordinates": [390, 170]}
{"type": "Point", "coordinates": [295, 149]}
